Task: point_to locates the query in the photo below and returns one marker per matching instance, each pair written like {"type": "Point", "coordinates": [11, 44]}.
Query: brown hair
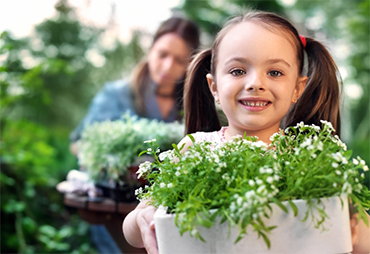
{"type": "Point", "coordinates": [319, 101]}
{"type": "Point", "coordinates": [189, 32]}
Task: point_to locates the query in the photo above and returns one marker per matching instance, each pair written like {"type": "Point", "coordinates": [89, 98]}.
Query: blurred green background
{"type": "Point", "coordinates": [47, 82]}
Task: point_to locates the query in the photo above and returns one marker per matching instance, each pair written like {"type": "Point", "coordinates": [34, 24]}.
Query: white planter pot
{"type": "Point", "coordinates": [291, 235]}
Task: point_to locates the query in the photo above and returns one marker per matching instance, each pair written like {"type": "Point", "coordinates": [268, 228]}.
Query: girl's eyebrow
{"type": "Point", "coordinates": [270, 61]}
{"type": "Point", "coordinates": [237, 59]}
{"type": "Point", "coordinates": [278, 60]}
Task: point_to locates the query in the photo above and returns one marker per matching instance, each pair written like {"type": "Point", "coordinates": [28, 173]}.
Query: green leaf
{"type": "Point", "coordinates": [294, 207]}
{"type": "Point", "coordinates": [276, 201]}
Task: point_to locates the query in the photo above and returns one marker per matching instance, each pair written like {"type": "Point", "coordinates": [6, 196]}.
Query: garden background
{"type": "Point", "coordinates": [49, 78]}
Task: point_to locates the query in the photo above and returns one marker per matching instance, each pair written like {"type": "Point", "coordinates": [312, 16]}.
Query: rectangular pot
{"type": "Point", "coordinates": [291, 235]}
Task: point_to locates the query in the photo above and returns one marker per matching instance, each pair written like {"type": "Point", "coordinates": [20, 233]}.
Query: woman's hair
{"type": "Point", "coordinates": [319, 101]}
{"type": "Point", "coordinates": [189, 32]}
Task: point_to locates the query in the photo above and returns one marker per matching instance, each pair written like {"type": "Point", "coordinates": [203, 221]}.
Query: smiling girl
{"type": "Point", "coordinates": [256, 72]}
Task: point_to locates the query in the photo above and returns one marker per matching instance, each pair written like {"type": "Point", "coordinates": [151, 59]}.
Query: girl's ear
{"type": "Point", "coordinates": [299, 88]}
{"type": "Point", "coordinates": [212, 86]}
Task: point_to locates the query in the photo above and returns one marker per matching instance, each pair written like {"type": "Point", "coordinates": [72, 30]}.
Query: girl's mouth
{"type": "Point", "coordinates": [254, 103]}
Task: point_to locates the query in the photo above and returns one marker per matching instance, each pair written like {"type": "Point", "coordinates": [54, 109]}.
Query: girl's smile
{"type": "Point", "coordinates": [254, 104]}
{"type": "Point", "coordinates": [256, 79]}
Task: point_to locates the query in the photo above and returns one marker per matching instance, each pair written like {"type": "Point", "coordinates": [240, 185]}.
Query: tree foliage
{"type": "Point", "coordinates": [47, 81]}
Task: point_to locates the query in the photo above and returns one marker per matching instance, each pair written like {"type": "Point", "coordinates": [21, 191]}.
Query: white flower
{"type": "Point", "coordinates": [152, 140]}
{"type": "Point", "coordinates": [296, 151]}
{"type": "Point", "coordinates": [166, 154]}
{"type": "Point", "coordinates": [320, 145]}
{"type": "Point", "coordinates": [334, 165]}
{"type": "Point", "coordinates": [239, 201]}
{"type": "Point", "coordinates": [143, 168]}
{"type": "Point", "coordinates": [177, 173]}
{"type": "Point", "coordinates": [138, 191]}
{"type": "Point", "coordinates": [355, 162]}
{"type": "Point", "coordinates": [259, 144]}
{"type": "Point", "coordinates": [194, 232]}
{"type": "Point", "coordinates": [162, 185]}
{"type": "Point", "coordinates": [274, 135]}
{"type": "Point", "coordinates": [347, 188]}
{"type": "Point", "coordinates": [170, 185]}
{"type": "Point", "coordinates": [251, 182]}
{"type": "Point", "coordinates": [366, 168]}
{"type": "Point", "coordinates": [327, 124]}
{"type": "Point", "coordinates": [269, 170]}
{"type": "Point", "coordinates": [339, 157]}
{"type": "Point", "coordinates": [299, 125]}
{"type": "Point", "coordinates": [270, 179]}
{"type": "Point", "coordinates": [307, 143]}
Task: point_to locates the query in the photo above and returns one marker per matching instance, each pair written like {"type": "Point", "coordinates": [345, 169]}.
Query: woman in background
{"type": "Point", "coordinates": [156, 88]}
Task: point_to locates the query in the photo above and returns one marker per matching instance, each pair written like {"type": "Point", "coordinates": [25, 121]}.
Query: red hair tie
{"type": "Point", "coordinates": [303, 40]}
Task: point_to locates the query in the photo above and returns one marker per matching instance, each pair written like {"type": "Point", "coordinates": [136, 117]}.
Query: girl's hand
{"type": "Point", "coordinates": [138, 228]}
{"type": "Point", "coordinates": [145, 222]}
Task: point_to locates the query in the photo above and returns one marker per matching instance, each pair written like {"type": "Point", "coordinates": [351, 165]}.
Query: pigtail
{"type": "Point", "coordinates": [321, 97]}
{"type": "Point", "coordinates": [199, 104]}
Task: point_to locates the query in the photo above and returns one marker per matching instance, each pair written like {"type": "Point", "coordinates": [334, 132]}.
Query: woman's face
{"type": "Point", "coordinates": [168, 59]}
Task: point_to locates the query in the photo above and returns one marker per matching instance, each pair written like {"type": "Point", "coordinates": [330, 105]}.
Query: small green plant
{"type": "Point", "coordinates": [240, 179]}
{"type": "Point", "coordinates": [108, 148]}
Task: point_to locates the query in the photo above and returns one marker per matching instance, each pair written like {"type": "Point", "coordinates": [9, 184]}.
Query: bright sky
{"type": "Point", "coordinates": [20, 16]}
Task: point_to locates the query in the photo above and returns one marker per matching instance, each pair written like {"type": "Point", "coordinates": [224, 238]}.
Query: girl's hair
{"type": "Point", "coordinates": [189, 32]}
{"type": "Point", "coordinates": [319, 101]}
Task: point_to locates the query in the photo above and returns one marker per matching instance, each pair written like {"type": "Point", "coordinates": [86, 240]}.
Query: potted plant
{"type": "Point", "coordinates": [108, 151]}
{"type": "Point", "coordinates": [289, 196]}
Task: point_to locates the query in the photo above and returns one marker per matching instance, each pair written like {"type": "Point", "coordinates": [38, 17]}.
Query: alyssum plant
{"type": "Point", "coordinates": [108, 148]}
{"type": "Point", "coordinates": [240, 179]}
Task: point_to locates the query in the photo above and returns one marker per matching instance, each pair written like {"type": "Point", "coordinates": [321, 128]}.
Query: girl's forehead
{"type": "Point", "coordinates": [255, 40]}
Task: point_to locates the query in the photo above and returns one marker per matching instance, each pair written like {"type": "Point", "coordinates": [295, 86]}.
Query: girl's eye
{"type": "Point", "coordinates": [275, 73]}
{"type": "Point", "coordinates": [237, 72]}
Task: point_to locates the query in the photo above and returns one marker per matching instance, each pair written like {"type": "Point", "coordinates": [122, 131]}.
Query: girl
{"type": "Point", "coordinates": [256, 72]}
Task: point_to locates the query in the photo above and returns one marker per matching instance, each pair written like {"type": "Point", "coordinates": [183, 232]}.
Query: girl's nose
{"type": "Point", "coordinates": [255, 82]}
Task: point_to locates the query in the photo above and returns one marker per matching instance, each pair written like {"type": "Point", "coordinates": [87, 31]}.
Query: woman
{"type": "Point", "coordinates": [156, 88]}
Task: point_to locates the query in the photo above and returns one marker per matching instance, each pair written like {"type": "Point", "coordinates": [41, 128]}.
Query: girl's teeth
{"type": "Point", "coordinates": [254, 104]}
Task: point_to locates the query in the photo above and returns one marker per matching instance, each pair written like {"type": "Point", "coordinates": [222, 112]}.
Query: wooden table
{"type": "Point", "coordinates": [107, 212]}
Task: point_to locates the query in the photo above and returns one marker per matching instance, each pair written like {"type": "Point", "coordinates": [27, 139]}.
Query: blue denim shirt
{"type": "Point", "coordinates": [114, 100]}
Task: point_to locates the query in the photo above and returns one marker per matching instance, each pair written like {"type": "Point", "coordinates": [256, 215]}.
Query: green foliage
{"type": "Point", "coordinates": [212, 15]}
{"type": "Point", "coordinates": [31, 207]}
{"type": "Point", "coordinates": [46, 84]}
{"type": "Point", "coordinates": [241, 178]}
{"type": "Point", "coordinates": [115, 145]}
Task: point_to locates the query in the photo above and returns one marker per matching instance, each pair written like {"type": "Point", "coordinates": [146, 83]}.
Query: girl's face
{"type": "Point", "coordinates": [168, 59]}
{"type": "Point", "coordinates": [256, 79]}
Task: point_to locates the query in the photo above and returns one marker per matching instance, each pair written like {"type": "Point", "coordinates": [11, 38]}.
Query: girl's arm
{"type": "Point", "coordinates": [138, 228]}
{"type": "Point", "coordinates": [360, 235]}
{"type": "Point", "coordinates": [187, 141]}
